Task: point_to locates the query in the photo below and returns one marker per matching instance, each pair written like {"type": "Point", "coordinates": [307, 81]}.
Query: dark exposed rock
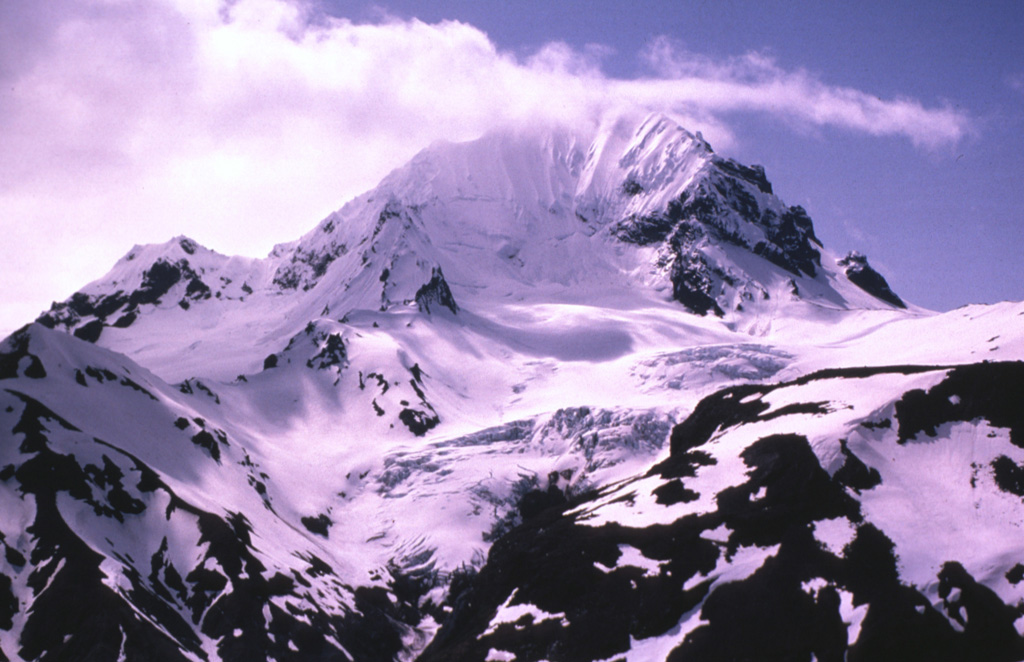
{"type": "Point", "coordinates": [393, 209]}
{"type": "Point", "coordinates": [82, 305]}
{"type": "Point", "coordinates": [8, 601]}
{"type": "Point", "coordinates": [100, 374]}
{"type": "Point", "coordinates": [204, 439]}
{"type": "Point", "coordinates": [534, 502]}
{"type": "Point", "coordinates": [14, 557]}
{"type": "Point", "coordinates": [436, 293]}
{"type": "Point", "coordinates": [550, 562]}
{"type": "Point", "coordinates": [737, 198]}
{"type": "Point", "coordinates": [418, 422]}
{"type": "Point", "coordinates": [306, 268]}
{"type": "Point", "coordinates": [156, 282]}
{"type": "Point", "coordinates": [190, 386]}
{"type": "Point", "coordinates": [720, 411]}
{"type": "Point", "coordinates": [107, 305]}
{"type": "Point", "coordinates": [382, 382]}
{"type": "Point", "coordinates": [125, 320]}
{"type": "Point", "coordinates": [197, 289]}
{"type": "Point", "coordinates": [1009, 475]}
{"type": "Point", "coordinates": [332, 353]}
{"type": "Point", "coordinates": [14, 351]}
{"type": "Point", "coordinates": [691, 287]}
{"type": "Point", "coordinates": [553, 558]}
{"type": "Point", "coordinates": [78, 616]}
{"type": "Point", "coordinates": [992, 391]}
{"type": "Point", "coordinates": [631, 187]}
{"type": "Point", "coordinates": [644, 230]}
{"type": "Point", "coordinates": [794, 235]}
{"type": "Point", "coordinates": [988, 624]}
{"type": "Point", "coordinates": [866, 278]}
{"type": "Point", "coordinates": [753, 174]}
{"type": "Point", "coordinates": [35, 369]}
{"type": "Point", "coordinates": [318, 525]}
{"type": "Point", "coordinates": [674, 492]}
{"type": "Point", "coordinates": [135, 387]}
{"type": "Point", "coordinates": [854, 473]}
{"type": "Point", "coordinates": [723, 208]}
{"type": "Point", "coordinates": [90, 332]}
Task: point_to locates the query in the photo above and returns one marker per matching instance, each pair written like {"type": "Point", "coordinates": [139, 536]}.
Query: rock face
{"type": "Point", "coordinates": [89, 314]}
{"type": "Point", "coordinates": [541, 396]}
{"type": "Point", "coordinates": [435, 293]}
{"type": "Point", "coordinates": [729, 205]}
{"type": "Point", "coordinates": [861, 274]}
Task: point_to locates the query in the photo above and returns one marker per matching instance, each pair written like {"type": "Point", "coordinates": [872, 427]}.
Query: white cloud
{"type": "Point", "coordinates": [242, 123]}
{"type": "Point", "coordinates": [754, 82]}
{"type": "Point", "coordinates": [1015, 82]}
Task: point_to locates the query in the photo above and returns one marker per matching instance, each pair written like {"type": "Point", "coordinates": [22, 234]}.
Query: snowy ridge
{"type": "Point", "coordinates": [647, 214]}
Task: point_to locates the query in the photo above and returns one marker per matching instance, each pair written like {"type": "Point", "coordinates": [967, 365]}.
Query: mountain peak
{"type": "Point", "coordinates": [631, 211]}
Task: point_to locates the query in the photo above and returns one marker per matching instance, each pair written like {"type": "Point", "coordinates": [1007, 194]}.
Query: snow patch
{"type": "Point", "coordinates": [813, 586]}
{"type": "Point", "coordinates": [630, 556]}
{"type": "Point", "coordinates": [834, 534]}
{"type": "Point", "coordinates": [509, 613]}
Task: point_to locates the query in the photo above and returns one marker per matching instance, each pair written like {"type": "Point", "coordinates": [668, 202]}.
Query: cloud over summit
{"type": "Point", "coordinates": [126, 121]}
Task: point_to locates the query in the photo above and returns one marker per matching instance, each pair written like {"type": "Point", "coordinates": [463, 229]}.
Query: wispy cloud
{"type": "Point", "coordinates": [242, 122]}
{"type": "Point", "coordinates": [1016, 82]}
{"type": "Point", "coordinates": [754, 82]}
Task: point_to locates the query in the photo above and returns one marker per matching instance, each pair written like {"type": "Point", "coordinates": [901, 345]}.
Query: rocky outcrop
{"type": "Point", "coordinates": [87, 315]}
{"type": "Point", "coordinates": [862, 275]}
{"type": "Point", "coordinates": [436, 294]}
{"type": "Point", "coordinates": [729, 205]}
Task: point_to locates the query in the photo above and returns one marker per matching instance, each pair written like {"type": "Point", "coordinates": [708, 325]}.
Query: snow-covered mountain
{"type": "Point", "coordinates": [644, 216]}
{"type": "Point", "coordinates": [544, 395]}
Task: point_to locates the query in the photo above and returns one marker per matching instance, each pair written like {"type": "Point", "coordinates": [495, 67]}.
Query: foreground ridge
{"type": "Point", "coordinates": [757, 539]}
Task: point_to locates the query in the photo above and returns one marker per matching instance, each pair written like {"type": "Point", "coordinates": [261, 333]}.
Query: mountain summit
{"type": "Point", "coordinates": [546, 395]}
{"type": "Point", "coordinates": [646, 212]}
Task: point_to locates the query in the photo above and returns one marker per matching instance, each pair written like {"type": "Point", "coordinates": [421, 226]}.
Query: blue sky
{"type": "Point", "coordinates": [946, 224]}
{"type": "Point", "coordinates": [899, 126]}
